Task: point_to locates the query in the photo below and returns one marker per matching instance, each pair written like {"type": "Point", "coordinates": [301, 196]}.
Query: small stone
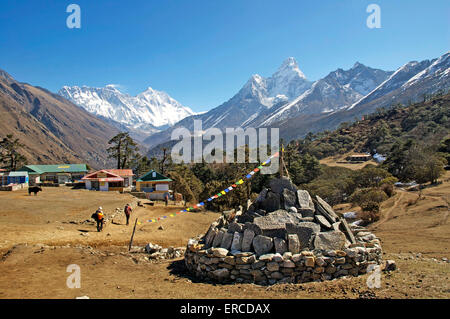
{"type": "Point", "coordinates": [266, 257]}
{"type": "Point", "coordinates": [277, 257]}
{"type": "Point", "coordinates": [276, 275]}
{"type": "Point", "coordinates": [320, 262]}
{"type": "Point", "coordinates": [390, 265]}
{"type": "Point", "coordinates": [309, 261]}
{"type": "Point", "coordinates": [221, 274]}
{"type": "Point", "coordinates": [220, 252]}
{"type": "Point", "coordinates": [288, 264]}
{"type": "Point", "coordinates": [272, 266]}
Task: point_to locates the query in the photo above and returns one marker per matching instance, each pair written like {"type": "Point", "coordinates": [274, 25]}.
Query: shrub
{"type": "Point", "coordinates": [388, 189]}
{"type": "Point", "coordinates": [391, 180]}
{"type": "Point", "coordinates": [369, 199]}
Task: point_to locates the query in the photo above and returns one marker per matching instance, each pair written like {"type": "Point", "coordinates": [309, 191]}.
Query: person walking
{"type": "Point", "coordinates": [99, 217]}
{"type": "Point", "coordinates": [127, 210]}
{"type": "Point", "coordinates": [166, 198]}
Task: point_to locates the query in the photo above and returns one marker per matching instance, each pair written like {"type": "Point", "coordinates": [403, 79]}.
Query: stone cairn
{"type": "Point", "coordinates": [284, 237]}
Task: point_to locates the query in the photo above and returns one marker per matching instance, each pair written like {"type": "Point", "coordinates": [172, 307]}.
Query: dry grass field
{"type": "Point", "coordinates": [41, 235]}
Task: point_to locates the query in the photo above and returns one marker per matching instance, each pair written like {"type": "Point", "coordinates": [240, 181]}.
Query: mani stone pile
{"type": "Point", "coordinates": [284, 237]}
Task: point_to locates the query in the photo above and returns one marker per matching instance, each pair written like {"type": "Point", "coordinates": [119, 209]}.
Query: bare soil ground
{"type": "Point", "coordinates": [414, 232]}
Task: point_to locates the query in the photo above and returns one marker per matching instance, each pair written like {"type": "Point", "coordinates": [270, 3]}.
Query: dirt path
{"type": "Point", "coordinates": [386, 215]}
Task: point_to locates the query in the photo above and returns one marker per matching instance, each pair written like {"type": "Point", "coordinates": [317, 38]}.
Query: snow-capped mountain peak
{"type": "Point", "coordinates": [289, 68]}
{"type": "Point", "coordinates": [151, 107]}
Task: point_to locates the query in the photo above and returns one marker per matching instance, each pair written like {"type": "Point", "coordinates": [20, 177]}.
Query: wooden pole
{"type": "Point", "coordinates": [281, 169]}
{"type": "Point", "coordinates": [132, 235]}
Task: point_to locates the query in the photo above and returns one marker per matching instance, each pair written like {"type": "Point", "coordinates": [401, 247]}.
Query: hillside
{"type": "Point", "coordinates": [52, 129]}
{"type": "Point", "coordinates": [424, 121]}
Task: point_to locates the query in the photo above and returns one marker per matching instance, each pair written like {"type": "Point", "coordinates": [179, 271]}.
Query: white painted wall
{"type": "Point", "coordinates": [104, 187]}
{"type": "Point", "coordinates": [162, 187]}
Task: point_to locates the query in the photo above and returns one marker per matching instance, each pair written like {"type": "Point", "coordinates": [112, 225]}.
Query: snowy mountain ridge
{"type": "Point", "coordinates": [150, 108]}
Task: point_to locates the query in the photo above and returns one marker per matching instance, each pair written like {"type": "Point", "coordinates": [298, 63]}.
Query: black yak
{"type": "Point", "coordinates": [34, 189]}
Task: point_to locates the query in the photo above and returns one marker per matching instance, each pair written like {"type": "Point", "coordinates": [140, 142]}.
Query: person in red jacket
{"type": "Point", "coordinates": [127, 210]}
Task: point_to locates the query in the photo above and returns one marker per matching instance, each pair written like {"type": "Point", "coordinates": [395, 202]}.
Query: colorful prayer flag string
{"type": "Point", "coordinates": [221, 193]}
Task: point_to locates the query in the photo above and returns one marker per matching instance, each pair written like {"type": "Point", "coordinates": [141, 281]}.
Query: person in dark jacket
{"type": "Point", "coordinates": [99, 217]}
{"type": "Point", "coordinates": [127, 210]}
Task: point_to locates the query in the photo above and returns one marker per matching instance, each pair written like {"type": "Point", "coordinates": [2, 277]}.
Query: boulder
{"type": "Point", "coordinates": [262, 244]}
{"type": "Point", "coordinates": [331, 240]}
{"type": "Point", "coordinates": [271, 203]}
{"type": "Point", "coordinates": [218, 238]}
{"type": "Point", "coordinates": [262, 195]}
{"type": "Point", "coordinates": [336, 225]}
{"type": "Point", "coordinates": [235, 227]}
{"type": "Point", "coordinates": [277, 185]}
{"type": "Point", "coordinates": [346, 229]}
{"type": "Point", "coordinates": [326, 210]}
{"type": "Point", "coordinates": [272, 225]}
{"type": "Point", "coordinates": [304, 202]}
{"type": "Point", "coordinates": [280, 245]}
{"type": "Point", "coordinates": [227, 239]}
{"type": "Point", "coordinates": [305, 232]}
{"type": "Point", "coordinates": [210, 235]}
{"type": "Point", "coordinates": [236, 244]}
{"type": "Point", "coordinates": [289, 198]}
{"type": "Point", "coordinates": [247, 239]}
{"type": "Point", "coordinates": [322, 221]}
{"type": "Point", "coordinates": [294, 243]}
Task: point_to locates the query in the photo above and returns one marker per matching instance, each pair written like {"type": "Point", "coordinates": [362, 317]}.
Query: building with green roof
{"type": "Point", "coordinates": [153, 183]}
{"type": "Point", "coordinates": [58, 174]}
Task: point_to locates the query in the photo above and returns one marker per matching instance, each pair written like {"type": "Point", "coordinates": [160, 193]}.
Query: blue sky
{"type": "Point", "coordinates": [201, 52]}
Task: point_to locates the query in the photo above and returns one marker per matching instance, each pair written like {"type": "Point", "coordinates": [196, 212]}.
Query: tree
{"type": "Point", "coordinates": [124, 150]}
{"type": "Point", "coordinates": [303, 169]}
{"type": "Point", "coordinates": [423, 165]}
{"type": "Point", "coordinates": [9, 154]}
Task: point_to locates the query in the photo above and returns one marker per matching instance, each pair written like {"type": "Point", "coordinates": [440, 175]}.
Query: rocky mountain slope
{"type": "Point", "coordinates": [52, 129]}
{"type": "Point", "coordinates": [410, 83]}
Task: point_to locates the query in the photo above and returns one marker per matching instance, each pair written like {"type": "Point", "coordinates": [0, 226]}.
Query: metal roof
{"type": "Point", "coordinates": [61, 168]}
{"type": "Point", "coordinates": [154, 176]}
{"type": "Point", "coordinates": [18, 173]}
{"type": "Point", "coordinates": [121, 172]}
